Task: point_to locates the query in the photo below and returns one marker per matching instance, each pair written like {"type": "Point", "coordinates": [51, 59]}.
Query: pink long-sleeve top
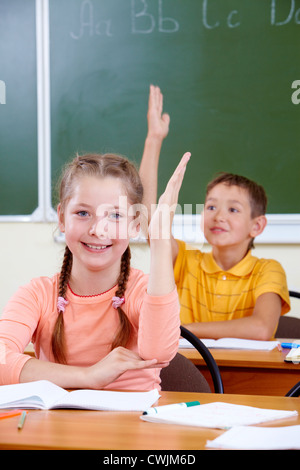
{"type": "Point", "coordinates": [90, 325]}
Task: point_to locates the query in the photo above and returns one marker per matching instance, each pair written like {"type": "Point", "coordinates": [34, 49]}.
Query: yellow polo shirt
{"type": "Point", "coordinates": [207, 293]}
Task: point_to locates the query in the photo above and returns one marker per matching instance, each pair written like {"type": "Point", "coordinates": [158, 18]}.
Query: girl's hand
{"type": "Point", "coordinates": [117, 362]}
{"type": "Point", "coordinates": [158, 122]}
{"type": "Point", "coordinates": [161, 221]}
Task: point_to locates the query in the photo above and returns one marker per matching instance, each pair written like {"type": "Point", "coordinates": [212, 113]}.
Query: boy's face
{"type": "Point", "coordinates": [227, 217]}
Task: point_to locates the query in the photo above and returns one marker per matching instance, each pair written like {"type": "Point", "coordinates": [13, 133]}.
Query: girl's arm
{"type": "Point", "coordinates": [159, 316]}
{"type": "Point", "coordinates": [161, 277]}
{"type": "Point", "coordinates": [96, 376]}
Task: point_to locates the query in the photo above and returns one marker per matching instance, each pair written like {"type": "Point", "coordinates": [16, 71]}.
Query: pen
{"type": "Point", "coordinates": [22, 420]}
{"type": "Point", "coordinates": [290, 345]}
{"type": "Point", "coordinates": [174, 406]}
{"type": "Point", "coordinates": [10, 414]}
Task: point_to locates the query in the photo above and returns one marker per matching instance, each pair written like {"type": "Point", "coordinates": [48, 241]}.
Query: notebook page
{"type": "Point", "coordinates": [37, 394]}
{"type": "Point", "coordinates": [240, 343]}
{"type": "Point", "coordinates": [258, 438]}
{"type": "Point", "coordinates": [293, 355]}
{"type": "Point", "coordinates": [219, 415]}
{"type": "Point", "coordinates": [108, 400]}
{"type": "Point", "coordinates": [232, 343]}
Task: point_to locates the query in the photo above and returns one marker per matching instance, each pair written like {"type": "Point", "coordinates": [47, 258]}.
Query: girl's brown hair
{"type": "Point", "coordinates": [100, 166]}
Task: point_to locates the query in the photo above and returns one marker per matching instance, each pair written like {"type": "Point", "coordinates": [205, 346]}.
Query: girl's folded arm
{"type": "Point", "coordinates": [159, 327]}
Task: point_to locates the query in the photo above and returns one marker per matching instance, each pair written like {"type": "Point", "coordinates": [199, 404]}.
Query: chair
{"type": "Point", "coordinates": [294, 294]}
{"type": "Point", "coordinates": [289, 327]}
{"type": "Point", "coordinates": [295, 391]}
{"type": "Point", "coordinates": [180, 376]}
{"type": "Point", "coordinates": [207, 356]}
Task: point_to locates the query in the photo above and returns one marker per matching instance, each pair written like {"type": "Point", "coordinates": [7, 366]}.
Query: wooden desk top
{"type": "Point", "coordinates": [273, 359]}
{"type": "Point", "coordinates": [80, 429]}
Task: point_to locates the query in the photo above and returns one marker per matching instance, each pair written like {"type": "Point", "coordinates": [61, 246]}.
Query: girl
{"type": "Point", "coordinates": [99, 323]}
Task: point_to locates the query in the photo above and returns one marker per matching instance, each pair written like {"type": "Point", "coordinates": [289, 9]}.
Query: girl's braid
{"type": "Point", "coordinates": [58, 337]}
{"type": "Point", "coordinates": [124, 331]}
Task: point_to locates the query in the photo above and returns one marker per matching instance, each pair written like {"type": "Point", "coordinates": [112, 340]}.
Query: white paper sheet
{"type": "Point", "coordinates": [258, 438]}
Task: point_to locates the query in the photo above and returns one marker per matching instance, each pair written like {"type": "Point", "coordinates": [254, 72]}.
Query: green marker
{"type": "Point", "coordinates": [22, 420]}
{"type": "Point", "coordinates": [166, 408]}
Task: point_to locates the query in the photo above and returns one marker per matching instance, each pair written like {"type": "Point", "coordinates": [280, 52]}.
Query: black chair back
{"type": "Point", "coordinates": [207, 356]}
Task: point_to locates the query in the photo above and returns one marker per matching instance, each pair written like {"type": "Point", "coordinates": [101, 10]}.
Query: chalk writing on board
{"type": "Point", "coordinates": [164, 24]}
{"type": "Point", "coordinates": [296, 94]}
{"type": "Point", "coordinates": [210, 18]}
{"type": "Point", "coordinates": [142, 21]}
{"type": "Point", "coordinates": [88, 25]}
{"type": "Point", "coordinates": [2, 92]}
{"type": "Point", "coordinates": [148, 17]}
{"type": "Point", "coordinates": [209, 23]}
{"type": "Point", "coordinates": [293, 14]}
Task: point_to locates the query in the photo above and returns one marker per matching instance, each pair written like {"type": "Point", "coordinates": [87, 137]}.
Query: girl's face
{"type": "Point", "coordinates": [96, 222]}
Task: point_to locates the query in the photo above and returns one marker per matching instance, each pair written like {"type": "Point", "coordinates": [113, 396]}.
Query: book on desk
{"type": "Point", "coordinates": [45, 395]}
{"type": "Point", "coordinates": [233, 343]}
{"type": "Point", "coordinates": [293, 356]}
{"type": "Point", "coordinates": [217, 415]}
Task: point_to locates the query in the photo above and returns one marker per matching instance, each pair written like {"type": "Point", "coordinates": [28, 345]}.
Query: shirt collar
{"type": "Point", "coordinates": [244, 267]}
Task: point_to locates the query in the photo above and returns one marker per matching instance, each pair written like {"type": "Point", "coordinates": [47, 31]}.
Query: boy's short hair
{"type": "Point", "coordinates": [257, 196]}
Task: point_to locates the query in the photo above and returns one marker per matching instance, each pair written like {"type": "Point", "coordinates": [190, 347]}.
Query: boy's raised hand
{"type": "Point", "coordinates": [158, 122]}
{"type": "Point", "coordinates": [161, 221]}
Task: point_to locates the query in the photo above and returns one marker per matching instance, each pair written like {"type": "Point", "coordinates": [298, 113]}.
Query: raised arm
{"type": "Point", "coordinates": [158, 129]}
{"type": "Point", "coordinates": [161, 277]}
{"type": "Point", "coordinates": [159, 320]}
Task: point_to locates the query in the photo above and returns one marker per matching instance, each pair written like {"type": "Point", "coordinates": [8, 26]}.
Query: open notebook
{"type": "Point", "coordinates": [233, 343]}
{"type": "Point", "coordinates": [217, 415]}
{"type": "Point", "coordinates": [45, 395]}
{"type": "Point", "coordinates": [293, 356]}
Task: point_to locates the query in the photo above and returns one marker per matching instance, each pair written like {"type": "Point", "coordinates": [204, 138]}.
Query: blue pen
{"type": "Point", "coordinates": [290, 345]}
{"type": "Point", "coordinates": [175, 406]}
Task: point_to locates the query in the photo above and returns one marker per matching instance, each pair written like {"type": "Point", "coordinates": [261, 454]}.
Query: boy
{"type": "Point", "coordinates": [228, 283]}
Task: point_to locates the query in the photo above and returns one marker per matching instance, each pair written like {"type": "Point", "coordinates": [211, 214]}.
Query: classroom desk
{"type": "Point", "coordinates": [80, 429]}
{"type": "Point", "coordinates": [250, 372]}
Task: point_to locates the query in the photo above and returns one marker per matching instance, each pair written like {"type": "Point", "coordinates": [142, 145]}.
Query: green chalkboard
{"type": "Point", "coordinates": [18, 108]}
{"type": "Point", "coordinates": [226, 68]}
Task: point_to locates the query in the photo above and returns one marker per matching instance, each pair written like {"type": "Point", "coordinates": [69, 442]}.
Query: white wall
{"type": "Point", "coordinates": [28, 250]}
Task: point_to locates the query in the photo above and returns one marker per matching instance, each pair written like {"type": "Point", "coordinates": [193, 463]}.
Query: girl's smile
{"type": "Point", "coordinates": [95, 223]}
{"type": "Point", "coordinates": [96, 248]}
